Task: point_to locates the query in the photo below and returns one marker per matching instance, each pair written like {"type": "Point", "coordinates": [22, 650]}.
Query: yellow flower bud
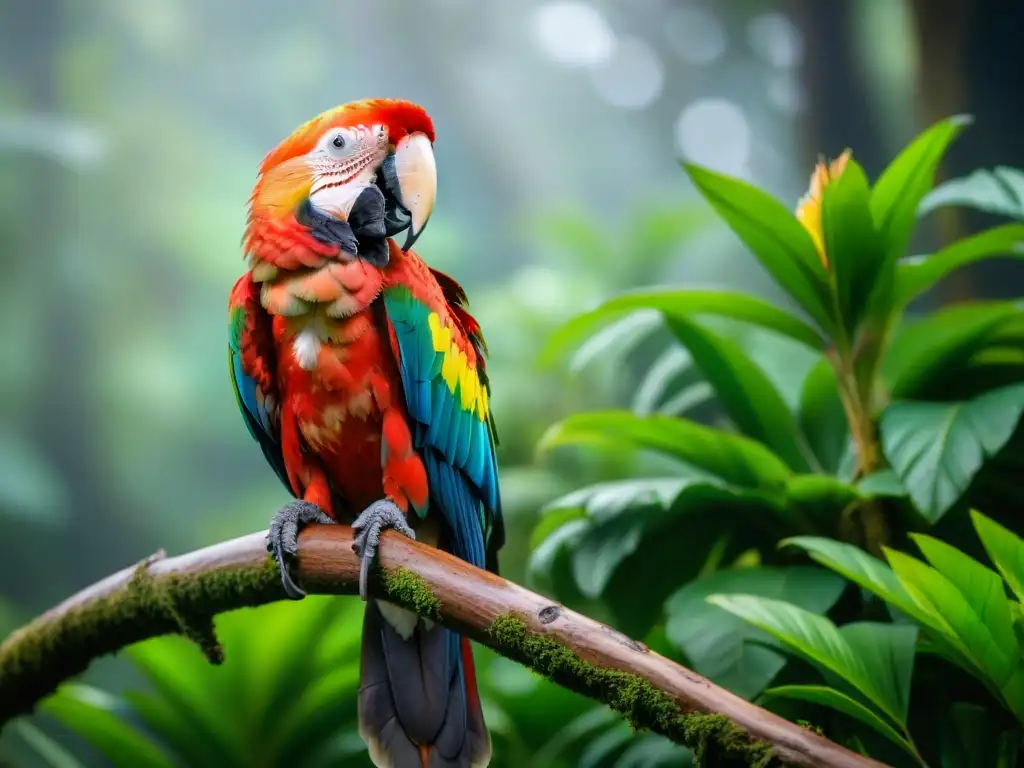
{"type": "Point", "coordinates": [808, 210]}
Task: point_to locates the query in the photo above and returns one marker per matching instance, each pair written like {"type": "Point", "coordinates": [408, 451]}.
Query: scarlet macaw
{"type": "Point", "coordinates": [360, 373]}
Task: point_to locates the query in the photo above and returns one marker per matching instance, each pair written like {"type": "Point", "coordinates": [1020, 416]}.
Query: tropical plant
{"type": "Point", "coordinates": [841, 416]}
{"type": "Point", "coordinates": [964, 616]}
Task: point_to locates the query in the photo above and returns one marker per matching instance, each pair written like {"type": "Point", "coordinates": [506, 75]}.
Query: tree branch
{"type": "Point", "coordinates": [182, 594]}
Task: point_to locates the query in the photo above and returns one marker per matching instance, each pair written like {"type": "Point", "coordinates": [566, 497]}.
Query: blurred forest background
{"type": "Point", "coordinates": [130, 133]}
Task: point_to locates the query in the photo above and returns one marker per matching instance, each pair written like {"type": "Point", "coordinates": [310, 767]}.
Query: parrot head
{"type": "Point", "coordinates": [354, 175]}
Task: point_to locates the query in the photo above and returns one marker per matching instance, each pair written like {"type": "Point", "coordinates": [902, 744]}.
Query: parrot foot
{"type": "Point", "coordinates": [374, 520]}
{"type": "Point", "coordinates": [282, 539]}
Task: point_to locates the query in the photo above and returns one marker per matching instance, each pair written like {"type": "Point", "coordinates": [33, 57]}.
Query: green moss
{"type": "Point", "coordinates": [410, 590]}
{"type": "Point", "coordinates": [36, 658]}
{"type": "Point", "coordinates": [714, 739]}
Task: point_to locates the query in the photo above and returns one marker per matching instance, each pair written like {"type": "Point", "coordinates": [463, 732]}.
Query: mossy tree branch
{"type": "Point", "coordinates": [182, 594]}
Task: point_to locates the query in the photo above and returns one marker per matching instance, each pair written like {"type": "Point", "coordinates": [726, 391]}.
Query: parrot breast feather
{"type": "Point", "coordinates": [250, 362]}
{"type": "Point", "coordinates": [447, 394]}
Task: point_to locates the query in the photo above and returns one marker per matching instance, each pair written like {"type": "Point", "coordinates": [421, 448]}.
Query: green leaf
{"type": "Point", "coordinates": [982, 588]}
{"type": "Point", "coordinates": [617, 515]}
{"type": "Point", "coordinates": [733, 458]}
{"type": "Point", "coordinates": [887, 652]}
{"type": "Point", "coordinates": [649, 750]}
{"type": "Point", "coordinates": [1005, 548]}
{"type": "Point", "coordinates": [924, 351]}
{"type": "Point", "coordinates": [999, 191]}
{"type": "Point", "coordinates": [774, 236]}
{"type": "Point", "coordinates": [597, 334]}
{"type": "Point", "coordinates": [938, 448]}
{"type": "Point", "coordinates": [821, 416]}
{"type": "Point", "coordinates": [90, 713]}
{"type": "Point", "coordinates": [937, 596]}
{"type": "Point", "coordinates": [820, 501]}
{"type": "Point", "coordinates": [614, 326]}
{"type": "Point", "coordinates": [52, 753]}
{"type": "Point", "coordinates": [745, 391]}
{"type": "Point", "coordinates": [817, 639]}
{"type": "Point", "coordinates": [177, 670]}
{"type": "Point", "coordinates": [914, 277]}
{"type": "Point", "coordinates": [884, 482]}
{"type": "Point", "coordinates": [852, 244]}
{"type": "Point", "coordinates": [687, 399]}
{"type": "Point", "coordinates": [613, 341]}
{"type": "Point", "coordinates": [659, 378]}
{"type": "Point", "coordinates": [902, 185]}
{"type": "Point", "coordinates": [736, 306]}
{"type": "Point", "coordinates": [859, 567]}
{"type": "Point", "coordinates": [718, 644]}
{"type": "Point", "coordinates": [833, 699]}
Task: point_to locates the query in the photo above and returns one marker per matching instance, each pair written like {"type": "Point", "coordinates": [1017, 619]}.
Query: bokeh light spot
{"type": "Point", "coordinates": [574, 34]}
{"type": "Point", "coordinates": [716, 133]}
{"type": "Point", "coordinates": [695, 34]}
{"type": "Point", "coordinates": [633, 78]}
{"type": "Point", "coordinates": [775, 38]}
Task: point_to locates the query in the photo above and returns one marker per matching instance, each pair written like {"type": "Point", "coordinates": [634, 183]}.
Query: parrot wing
{"type": "Point", "coordinates": [251, 363]}
{"type": "Point", "coordinates": [440, 350]}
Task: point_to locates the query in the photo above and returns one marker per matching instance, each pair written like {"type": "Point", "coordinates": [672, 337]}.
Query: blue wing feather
{"type": "Point", "coordinates": [457, 446]}
{"type": "Point", "coordinates": [252, 401]}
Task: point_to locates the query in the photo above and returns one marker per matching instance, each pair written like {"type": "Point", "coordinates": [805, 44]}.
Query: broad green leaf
{"type": "Point", "coordinates": [614, 324]}
{"type": "Point", "coordinates": [619, 514]}
{"type": "Point", "coordinates": [736, 306]}
{"type": "Point", "coordinates": [90, 713]}
{"type": "Point", "coordinates": [580, 340]}
{"type": "Point", "coordinates": [914, 277]}
{"type": "Point", "coordinates": [717, 643]}
{"type": "Point", "coordinates": [937, 596]}
{"type": "Point", "coordinates": [614, 340]}
{"type": "Point", "coordinates": [981, 587]}
{"type": "Point", "coordinates": [603, 748]}
{"type": "Point", "coordinates": [48, 750]}
{"type": "Point", "coordinates": [859, 567]}
{"type": "Point", "coordinates": [884, 482]}
{"type": "Point", "coordinates": [595, 719]}
{"type": "Point", "coordinates": [650, 750]}
{"type": "Point", "coordinates": [659, 378]}
{"type": "Point", "coordinates": [177, 670]}
{"type": "Point", "coordinates": [821, 416]}
{"type": "Point", "coordinates": [938, 448]}
{"type": "Point", "coordinates": [817, 639]}
{"type": "Point", "coordinates": [887, 652]}
{"type": "Point", "coordinates": [853, 246]}
{"type": "Point", "coordinates": [744, 390]}
{"type": "Point", "coordinates": [818, 502]}
{"type": "Point", "coordinates": [733, 458]}
{"type": "Point", "coordinates": [829, 697]}
{"type": "Point", "coordinates": [1005, 548]}
{"type": "Point", "coordinates": [687, 399]}
{"type": "Point", "coordinates": [774, 236]}
{"type": "Point", "coordinates": [923, 351]}
{"type": "Point", "coordinates": [878, 579]}
{"type": "Point", "coordinates": [999, 191]}
{"type": "Point", "coordinates": [902, 185]}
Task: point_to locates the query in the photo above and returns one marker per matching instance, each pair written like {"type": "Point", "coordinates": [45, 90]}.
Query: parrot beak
{"type": "Point", "coordinates": [416, 175]}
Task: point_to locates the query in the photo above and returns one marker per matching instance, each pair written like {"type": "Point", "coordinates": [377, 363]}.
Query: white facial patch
{"type": "Point", "coordinates": [345, 163]}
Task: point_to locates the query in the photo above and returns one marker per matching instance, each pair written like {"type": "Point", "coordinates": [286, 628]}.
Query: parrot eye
{"type": "Point", "coordinates": [339, 144]}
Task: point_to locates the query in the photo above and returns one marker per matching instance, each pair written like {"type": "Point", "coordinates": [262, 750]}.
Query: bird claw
{"type": "Point", "coordinates": [283, 539]}
{"type": "Point", "coordinates": [374, 520]}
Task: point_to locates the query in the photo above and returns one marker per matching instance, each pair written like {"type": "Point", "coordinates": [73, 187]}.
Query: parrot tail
{"type": "Point", "coordinates": [418, 701]}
